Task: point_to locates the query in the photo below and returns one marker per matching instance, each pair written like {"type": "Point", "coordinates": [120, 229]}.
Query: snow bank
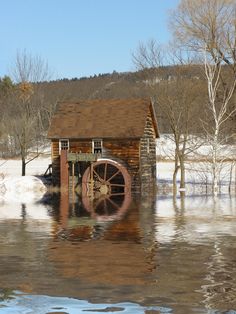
{"type": "Point", "coordinates": [17, 189]}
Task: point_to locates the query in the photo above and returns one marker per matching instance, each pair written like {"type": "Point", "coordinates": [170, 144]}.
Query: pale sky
{"type": "Point", "coordinates": [81, 37]}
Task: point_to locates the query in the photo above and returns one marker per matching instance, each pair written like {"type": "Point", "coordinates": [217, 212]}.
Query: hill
{"type": "Point", "coordinates": [146, 83]}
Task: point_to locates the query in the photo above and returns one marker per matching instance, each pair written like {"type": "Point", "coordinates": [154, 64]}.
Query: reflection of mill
{"type": "Point", "coordinates": [91, 213]}
{"type": "Point", "coordinates": [113, 252]}
{"type": "Point", "coordinates": [104, 186]}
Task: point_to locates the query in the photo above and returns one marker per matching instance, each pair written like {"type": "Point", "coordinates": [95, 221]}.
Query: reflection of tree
{"type": "Point", "coordinates": [179, 208]}
{"type": "Point", "coordinates": [23, 211]}
{"type": "Point", "coordinates": [6, 294]}
{"type": "Point", "coordinates": [220, 288]}
{"type": "Point", "coordinates": [195, 253]}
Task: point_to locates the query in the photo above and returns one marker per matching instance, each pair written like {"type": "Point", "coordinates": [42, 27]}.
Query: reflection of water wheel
{"type": "Point", "coordinates": [106, 189]}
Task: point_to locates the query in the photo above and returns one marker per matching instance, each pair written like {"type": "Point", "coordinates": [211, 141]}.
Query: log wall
{"type": "Point", "coordinates": [148, 156]}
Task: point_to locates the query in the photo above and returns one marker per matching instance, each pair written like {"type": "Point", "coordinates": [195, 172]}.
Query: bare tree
{"type": "Point", "coordinates": [149, 55]}
{"type": "Point", "coordinates": [208, 27]}
{"type": "Point", "coordinates": [210, 24]}
{"type": "Point", "coordinates": [22, 131]}
{"type": "Point", "coordinates": [176, 99]}
{"type": "Point", "coordinates": [179, 101]}
{"type": "Point", "coordinates": [29, 68]}
{"type": "Point", "coordinates": [23, 119]}
{"type": "Point", "coordinates": [219, 96]}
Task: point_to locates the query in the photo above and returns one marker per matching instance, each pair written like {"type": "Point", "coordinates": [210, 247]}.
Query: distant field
{"type": "Point", "coordinates": [13, 166]}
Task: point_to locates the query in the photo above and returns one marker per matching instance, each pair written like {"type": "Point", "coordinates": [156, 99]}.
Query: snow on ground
{"type": "Point", "coordinates": [13, 167]}
{"type": "Point", "coordinates": [198, 148]}
{"type": "Point", "coordinates": [196, 172]}
{"type": "Point", "coordinates": [38, 166]}
{"type": "Point", "coordinates": [198, 175]}
{"type": "Point", "coordinates": [14, 188]}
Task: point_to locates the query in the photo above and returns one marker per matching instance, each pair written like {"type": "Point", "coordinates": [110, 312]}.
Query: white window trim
{"type": "Point", "coordinates": [96, 140]}
{"type": "Point", "coordinates": [66, 140]}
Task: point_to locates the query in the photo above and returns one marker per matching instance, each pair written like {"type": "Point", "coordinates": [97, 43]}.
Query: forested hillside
{"type": "Point", "coordinates": [178, 91]}
{"type": "Point", "coordinates": [147, 83]}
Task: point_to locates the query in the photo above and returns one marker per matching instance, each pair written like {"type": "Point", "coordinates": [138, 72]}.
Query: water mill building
{"type": "Point", "coordinates": [104, 146]}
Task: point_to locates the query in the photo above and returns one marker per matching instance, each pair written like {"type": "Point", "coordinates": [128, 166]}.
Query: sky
{"type": "Point", "coordinates": [81, 37]}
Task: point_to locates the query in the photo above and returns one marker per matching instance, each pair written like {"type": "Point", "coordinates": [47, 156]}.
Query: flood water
{"type": "Point", "coordinates": [159, 256]}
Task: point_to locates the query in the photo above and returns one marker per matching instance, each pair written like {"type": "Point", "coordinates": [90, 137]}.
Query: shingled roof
{"type": "Point", "coordinates": [101, 118]}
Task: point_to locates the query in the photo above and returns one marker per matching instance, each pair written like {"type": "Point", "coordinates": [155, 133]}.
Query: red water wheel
{"type": "Point", "coordinates": [106, 189]}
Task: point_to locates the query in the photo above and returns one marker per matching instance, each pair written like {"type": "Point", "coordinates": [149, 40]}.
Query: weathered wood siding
{"type": "Point", "coordinates": [126, 152]}
{"type": "Point", "coordinates": [80, 146]}
{"type": "Point", "coordinates": [55, 156]}
{"type": "Point", "coordinates": [148, 156]}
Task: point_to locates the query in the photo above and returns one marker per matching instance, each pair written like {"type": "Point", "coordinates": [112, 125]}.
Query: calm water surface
{"type": "Point", "coordinates": [160, 256]}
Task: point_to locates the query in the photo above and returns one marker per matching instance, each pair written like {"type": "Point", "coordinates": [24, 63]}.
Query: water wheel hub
{"type": "Point", "coordinates": [104, 189]}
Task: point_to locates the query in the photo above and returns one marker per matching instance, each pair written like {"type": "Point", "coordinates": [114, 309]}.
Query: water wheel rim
{"type": "Point", "coordinates": [126, 194]}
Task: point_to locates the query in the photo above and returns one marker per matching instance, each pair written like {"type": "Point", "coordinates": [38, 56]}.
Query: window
{"type": "Point", "coordinates": [64, 144]}
{"type": "Point", "coordinates": [97, 146]}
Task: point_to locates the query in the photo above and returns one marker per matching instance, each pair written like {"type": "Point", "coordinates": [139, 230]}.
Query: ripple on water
{"type": "Point", "coordinates": [40, 304]}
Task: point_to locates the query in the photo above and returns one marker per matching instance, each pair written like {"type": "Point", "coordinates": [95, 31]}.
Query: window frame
{"type": "Point", "coordinates": [62, 147]}
{"type": "Point", "coordinates": [98, 147]}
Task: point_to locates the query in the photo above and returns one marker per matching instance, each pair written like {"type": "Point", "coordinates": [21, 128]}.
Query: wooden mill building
{"type": "Point", "coordinates": [104, 145]}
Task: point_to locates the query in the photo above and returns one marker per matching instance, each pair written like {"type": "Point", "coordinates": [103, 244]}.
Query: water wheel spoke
{"type": "Point", "coordinates": [97, 175]}
{"type": "Point", "coordinates": [114, 175]}
{"type": "Point", "coordinates": [118, 184]}
{"type": "Point", "coordinates": [105, 171]}
{"type": "Point", "coordinates": [105, 207]}
{"type": "Point", "coordinates": [98, 202]}
{"type": "Point", "coordinates": [113, 203]}
{"type": "Point", "coordinates": [117, 194]}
